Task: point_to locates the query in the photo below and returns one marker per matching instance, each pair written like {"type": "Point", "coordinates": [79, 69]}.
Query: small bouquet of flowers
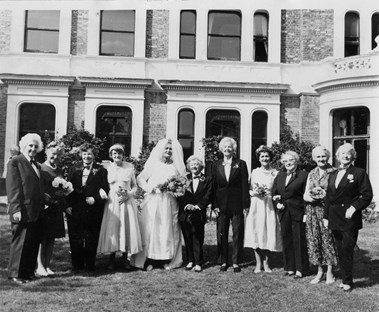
{"type": "Point", "coordinates": [317, 193]}
{"type": "Point", "coordinates": [174, 185]}
{"type": "Point", "coordinates": [122, 194]}
{"type": "Point", "coordinates": [62, 186]}
{"type": "Point", "coordinates": [261, 190]}
{"type": "Point", "coordinates": [278, 203]}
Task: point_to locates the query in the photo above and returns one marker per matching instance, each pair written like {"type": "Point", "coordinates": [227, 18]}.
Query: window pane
{"type": "Point", "coordinates": [186, 123]}
{"type": "Point", "coordinates": [118, 20]}
{"type": "Point", "coordinates": [354, 121]}
{"type": "Point", "coordinates": [224, 47]}
{"type": "Point", "coordinates": [259, 135]}
{"type": "Point", "coordinates": [374, 29]}
{"type": "Point", "coordinates": [224, 23]}
{"type": "Point", "coordinates": [43, 19]}
{"type": "Point", "coordinates": [351, 24]}
{"type": "Point", "coordinates": [117, 44]}
{"type": "Point", "coordinates": [187, 46]}
{"type": "Point", "coordinates": [188, 22]}
{"type": "Point", "coordinates": [223, 122]}
{"type": "Point", "coordinates": [42, 41]}
{"type": "Point", "coordinates": [260, 24]}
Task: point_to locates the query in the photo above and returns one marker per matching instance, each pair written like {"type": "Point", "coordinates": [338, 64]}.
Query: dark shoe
{"type": "Point", "coordinates": [236, 269]}
{"type": "Point", "coordinates": [17, 280]}
{"type": "Point", "coordinates": [223, 268]}
{"type": "Point", "coordinates": [32, 278]}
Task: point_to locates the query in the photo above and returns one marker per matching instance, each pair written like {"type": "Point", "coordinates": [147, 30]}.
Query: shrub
{"type": "Point", "coordinates": [371, 213]}
{"type": "Point", "coordinates": [212, 152]}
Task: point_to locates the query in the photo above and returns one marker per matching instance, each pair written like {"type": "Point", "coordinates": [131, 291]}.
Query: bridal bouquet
{"type": "Point", "coordinates": [62, 186]}
{"type": "Point", "coordinates": [261, 189]}
{"type": "Point", "coordinates": [174, 185]}
{"type": "Point", "coordinates": [317, 192]}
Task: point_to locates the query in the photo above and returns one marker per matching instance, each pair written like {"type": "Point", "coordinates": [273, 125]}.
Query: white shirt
{"type": "Point", "coordinates": [289, 176]}
{"type": "Point", "coordinates": [340, 175]}
{"type": "Point", "coordinates": [33, 165]}
{"type": "Point", "coordinates": [85, 175]}
{"type": "Point", "coordinates": [227, 167]}
{"type": "Point", "coordinates": [195, 183]}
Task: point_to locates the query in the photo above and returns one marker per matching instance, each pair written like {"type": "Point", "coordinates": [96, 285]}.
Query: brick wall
{"type": "Point", "coordinates": [76, 102]}
{"type": "Point", "coordinates": [306, 35]}
{"type": "Point", "coordinates": [155, 115]}
{"type": "Point", "coordinates": [310, 120]}
{"type": "Point", "coordinates": [5, 30]}
{"type": "Point", "coordinates": [290, 112]}
{"type": "Point", "coordinates": [79, 33]}
{"type": "Point", "coordinates": [157, 25]}
{"type": "Point", "coordinates": [3, 118]}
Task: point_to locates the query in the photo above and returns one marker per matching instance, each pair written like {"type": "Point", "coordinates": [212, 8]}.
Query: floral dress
{"type": "Point", "coordinates": [321, 248]}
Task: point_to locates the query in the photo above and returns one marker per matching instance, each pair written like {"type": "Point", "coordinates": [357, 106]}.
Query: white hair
{"type": "Point", "coordinates": [226, 140]}
{"type": "Point", "coordinates": [293, 154]}
{"type": "Point", "coordinates": [193, 158]}
{"type": "Point", "coordinates": [319, 149]}
{"type": "Point", "coordinates": [347, 147]}
{"type": "Point", "coordinates": [29, 138]}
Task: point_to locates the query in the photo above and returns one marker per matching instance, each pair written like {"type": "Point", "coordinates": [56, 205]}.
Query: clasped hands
{"type": "Point", "coordinates": [190, 207]}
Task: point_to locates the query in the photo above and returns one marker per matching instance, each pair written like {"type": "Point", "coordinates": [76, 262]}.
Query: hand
{"type": "Point", "coordinates": [69, 211]}
{"type": "Point", "coordinates": [349, 212]}
{"type": "Point", "coordinates": [17, 216]}
{"type": "Point", "coordinates": [90, 200]}
{"type": "Point", "coordinates": [122, 198]}
{"type": "Point", "coordinates": [246, 211]}
{"type": "Point", "coordinates": [196, 207]}
{"type": "Point", "coordinates": [325, 222]}
{"type": "Point", "coordinates": [188, 207]}
{"type": "Point", "coordinates": [217, 212]}
{"type": "Point", "coordinates": [304, 218]}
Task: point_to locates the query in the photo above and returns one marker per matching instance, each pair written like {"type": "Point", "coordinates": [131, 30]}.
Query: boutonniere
{"type": "Point", "coordinates": [202, 179]}
{"type": "Point", "coordinates": [95, 170]}
{"type": "Point", "coordinates": [350, 177]}
{"type": "Point", "coordinates": [236, 166]}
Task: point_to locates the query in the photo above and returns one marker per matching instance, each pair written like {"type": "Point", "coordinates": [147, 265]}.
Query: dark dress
{"type": "Point", "coordinates": [52, 223]}
{"type": "Point", "coordinates": [320, 242]}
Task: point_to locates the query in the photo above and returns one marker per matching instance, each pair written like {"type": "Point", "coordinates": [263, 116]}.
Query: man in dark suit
{"type": "Point", "coordinates": [192, 212]}
{"type": "Point", "coordinates": [349, 192]}
{"type": "Point", "coordinates": [25, 202]}
{"type": "Point", "coordinates": [231, 198]}
{"type": "Point", "coordinates": [86, 205]}
{"type": "Point", "coordinates": [287, 191]}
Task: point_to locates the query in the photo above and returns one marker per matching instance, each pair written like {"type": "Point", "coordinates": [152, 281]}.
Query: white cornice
{"type": "Point", "coordinates": [31, 80]}
{"type": "Point", "coordinates": [115, 83]}
{"type": "Point", "coordinates": [347, 83]}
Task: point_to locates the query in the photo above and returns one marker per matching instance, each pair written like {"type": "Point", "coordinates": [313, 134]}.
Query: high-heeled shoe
{"type": "Point", "coordinates": [317, 279]}
{"type": "Point", "coordinates": [330, 280]}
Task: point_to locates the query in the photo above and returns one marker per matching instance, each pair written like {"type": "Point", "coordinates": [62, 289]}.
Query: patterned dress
{"type": "Point", "coordinates": [321, 248]}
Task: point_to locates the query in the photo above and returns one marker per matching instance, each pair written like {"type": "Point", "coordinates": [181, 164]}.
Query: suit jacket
{"type": "Point", "coordinates": [24, 189]}
{"type": "Point", "coordinates": [231, 196]}
{"type": "Point", "coordinates": [354, 190]}
{"type": "Point", "coordinates": [201, 198]}
{"type": "Point", "coordinates": [82, 213]}
{"type": "Point", "coordinates": [292, 194]}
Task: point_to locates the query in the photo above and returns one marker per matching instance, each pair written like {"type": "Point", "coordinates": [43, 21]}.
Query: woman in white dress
{"type": "Point", "coordinates": [160, 229]}
{"type": "Point", "coordinates": [120, 230]}
{"type": "Point", "coordinates": [262, 229]}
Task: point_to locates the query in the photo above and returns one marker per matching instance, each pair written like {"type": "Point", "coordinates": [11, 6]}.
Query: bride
{"type": "Point", "coordinates": [160, 231]}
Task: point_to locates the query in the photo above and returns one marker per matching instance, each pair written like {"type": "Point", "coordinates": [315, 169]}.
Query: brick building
{"type": "Point", "coordinates": [141, 70]}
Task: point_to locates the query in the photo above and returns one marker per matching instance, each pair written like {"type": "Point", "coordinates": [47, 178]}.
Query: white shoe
{"type": "Point", "coordinates": [167, 267]}
{"type": "Point", "coordinates": [149, 267]}
{"type": "Point", "coordinates": [41, 272]}
{"type": "Point", "coordinates": [49, 271]}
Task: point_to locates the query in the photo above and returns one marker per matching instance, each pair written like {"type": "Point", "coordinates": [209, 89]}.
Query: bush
{"type": "Point", "coordinates": [212, 152]}
{"type": "Point", "coordinates": [371, 213]}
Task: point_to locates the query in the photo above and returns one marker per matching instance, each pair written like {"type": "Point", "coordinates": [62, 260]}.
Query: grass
{"type": "Point", "coordinates": [180, 290]}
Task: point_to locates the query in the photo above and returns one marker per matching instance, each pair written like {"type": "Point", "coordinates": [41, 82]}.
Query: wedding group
{"type": "Point", "coordinates": [312, 218]}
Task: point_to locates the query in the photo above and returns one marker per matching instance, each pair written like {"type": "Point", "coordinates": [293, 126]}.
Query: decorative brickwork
{"type": "Point", "coordinates": [307, 35]}
{"type": "Point", "coordinates": [155, 115]}
{"type": "Point", "coordinates": [5, 30]}
{"type": "Point", "coordinates": [3, 119]}
{"type": "Point", "coordinates": [79, 33]}
{"type": "Point", "coordinates": [76, 107]}
{"type": "Point", "coordinates": [157, 26]}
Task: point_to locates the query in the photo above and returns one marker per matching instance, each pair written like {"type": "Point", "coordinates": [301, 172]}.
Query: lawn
{"type": "Point", "coordinates": [180, 290]}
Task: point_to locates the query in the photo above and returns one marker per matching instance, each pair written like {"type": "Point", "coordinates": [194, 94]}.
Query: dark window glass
{"type": "Point", "coordinates": [374, 29]}
{"type": "Point", "coordinates": [260, 37]}
{"type": "Point", "coordinates": [259, 135]}
{"type": "Point", "coordinates": [186, 131]}
{"type": "Point", "coordinates": [351, 34]}
{"type": "Point", "coordinates": [352, 125]}
{"type": "Point", "coordinates": [187, 34]}
{"type": "Point", "coordinates": [41, 31]}
{"type": "Point", "coordinates": [224, 35]}
{"type": "Point", "coordinates": [114, 123]}
{"type": "Point", "coordinates": [117, 33]}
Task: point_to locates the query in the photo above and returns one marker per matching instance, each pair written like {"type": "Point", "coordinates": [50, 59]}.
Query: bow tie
{"type": "Point", "coordinates": [289, 174]}
{"type": "Point", "coordinates": [342, 168]}
{"type": "Point", "coordinates": [87, 167]}
{"type": "Point", "coordinates": [32, 161]}
{"type": "Point", "coordinates": [196, 177]}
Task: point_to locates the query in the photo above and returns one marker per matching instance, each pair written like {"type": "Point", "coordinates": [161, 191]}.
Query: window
{"type": "Point", "coordinates": [40, 119]}
{"type": "Point", "coordinates": [352, 125]}
{"type": "Point", "coordinates": [260, 37]}
{"type": "Point", "coordinates": [41, 31]}
{"type": "Point", "coordinates": [114, 123]}
{"type": "Point", "coordinates": [259, 135]}
{"type": "Point", "coordinates": [187, 35]}
{"type": "Point", "coordinates": [117, 33]}
{"type": "Point", "coordinates": [374, 29]}
{"type": "Point", "coordinates": [186, 131]}
{"type": "Point", "coordinates": [351, 34]}
{"type": "Point", "coordinates": [224, 35]}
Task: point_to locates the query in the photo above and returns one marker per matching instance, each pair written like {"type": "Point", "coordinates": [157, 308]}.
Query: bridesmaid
{"type": "Point", "coordinates": [321, 249]}
{"type": "Point", "coordinates": [120, 230]}
{"type": "Point", "coordinates": [52, 223]}
{"type": "Point", "coordinates": [262, 229]}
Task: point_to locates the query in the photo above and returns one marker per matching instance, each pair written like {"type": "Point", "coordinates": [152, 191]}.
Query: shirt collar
{"type": "Point", "coordinates": [228, 161]}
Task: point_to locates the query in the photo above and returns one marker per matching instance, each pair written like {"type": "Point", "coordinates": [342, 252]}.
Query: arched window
{"type": "Point", "coordinates": [37, 118]}
{"type": "Point", "coordinates": [351, 34]}
{"type": "Point", "coordinates": [114, 123]}
{"type": "Point", "coordinates": [352, 125]}
{"type": "Point", "coordinates": [260, 37]}
{"type": "Point", "coordinates": [259, 134]}
{"type": "Point", "coordinates": [374, 29]}
{"type": "Point", "coordinates": [186, 131]}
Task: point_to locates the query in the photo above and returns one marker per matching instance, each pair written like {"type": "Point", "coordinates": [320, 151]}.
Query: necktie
{"type": "Point", "coordinates": [33, 162]}
{"type": "Point", "coordinates": [288, 178]}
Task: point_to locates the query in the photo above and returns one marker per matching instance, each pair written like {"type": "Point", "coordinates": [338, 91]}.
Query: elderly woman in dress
{"type": "Point", "coordinates": [120, 230]}
{"type": "Point", "coordinates": [349, 192]}
{"type": "Point", "coordinates": [231, 198]}
{"type": "Point", "coordinates": [287, 191]}
{"type": "Point", "coordinates": [161, 237]}
{"type": "Point", "coordinates": [262, 229]}
{"type": "Point", "coordinates": [321, 248]}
